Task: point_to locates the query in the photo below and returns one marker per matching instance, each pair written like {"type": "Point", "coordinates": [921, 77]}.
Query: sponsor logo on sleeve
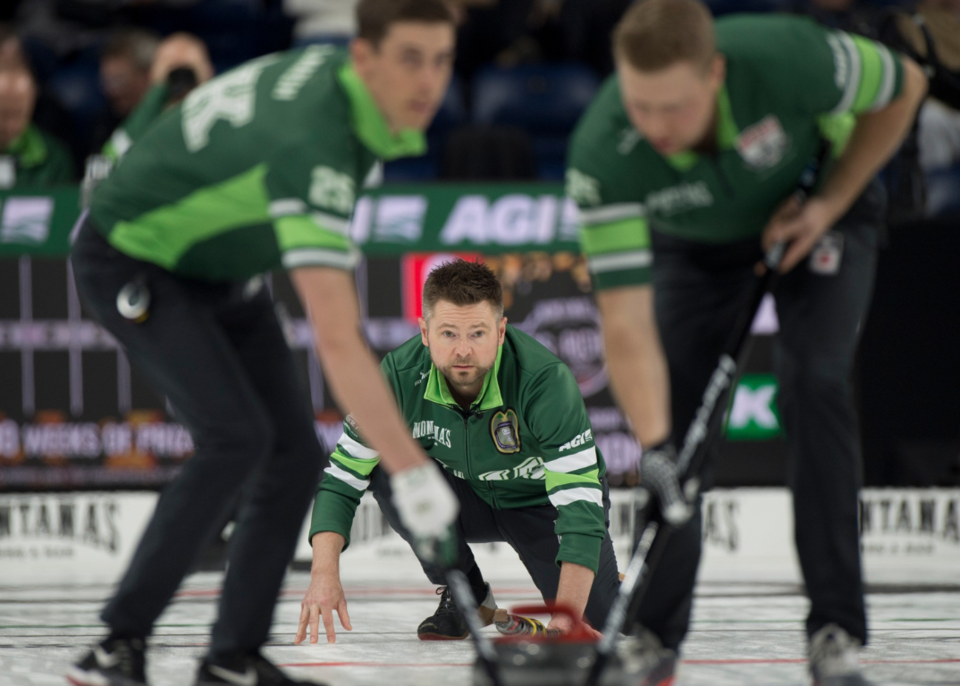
{"type": "Point", "coordinates": [578, 441]}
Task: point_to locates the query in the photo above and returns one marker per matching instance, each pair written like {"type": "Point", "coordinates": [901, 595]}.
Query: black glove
{"type": "Point", "coordinates": [659, 476]}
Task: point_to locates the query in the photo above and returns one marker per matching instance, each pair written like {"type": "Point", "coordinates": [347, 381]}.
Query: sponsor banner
{"type": "Point", "coordinates": [909, 537]}
{"type": "Point", "coordinates": [51, 538]}
{"type": "Point", "coordinates": [38, 221]}
{"type": "Point", "coordinates": [143, 451]}
{"type": "Point", "coordinates": [389, 220]}
{"type": "Point", "coordinates": [916, 531]}
{"type": "Point", "coordinates": [570, 329]}
{"type": "Point", "coordinates": [753, 415]}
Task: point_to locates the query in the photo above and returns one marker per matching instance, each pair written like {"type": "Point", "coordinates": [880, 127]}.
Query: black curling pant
{"type": "Point", "coordinates": [699, 292]}
{"type": "Point", "coordinates": [217, 351]}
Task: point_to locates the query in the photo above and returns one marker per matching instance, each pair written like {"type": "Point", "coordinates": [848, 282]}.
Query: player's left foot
{"type": "Point", "coordinates": [833, 658]}
{"type": "Point", "coordinates": [447, 624]}
{"type": "Point", "coordinates": [245, 670]}
{"type": "Point", "coordinates": [113, 662]}
{"type": "Point", "coordinates": [644, 660]}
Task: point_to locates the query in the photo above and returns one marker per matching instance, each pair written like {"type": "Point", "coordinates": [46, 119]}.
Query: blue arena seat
{"type": "Point", "coordinates": [453, 111]}
{"type": "Point", "coordinates": [544, 100]}
{"type": "Point", "coordinates": [541, 99]}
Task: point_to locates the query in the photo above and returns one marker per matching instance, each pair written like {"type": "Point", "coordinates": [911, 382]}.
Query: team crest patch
{"type": "Point", "coordinates": [764, 144]}
{"type": "Point", "coordinates": [505, 429]}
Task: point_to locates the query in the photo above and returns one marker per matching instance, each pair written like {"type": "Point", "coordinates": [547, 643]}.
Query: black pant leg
{"type": "Point", "coordinates": [474, 523]}
{"type": "Point", "coordinates": [699, 292]}
{"type": "Point", "coordinates": [821, 316]}
{"type": "Point", "coordinates": [531, 532]}
{"type": "Point", "coordinates": [279, 492]}
{"type": "Point", "coordinates": [184, 352]}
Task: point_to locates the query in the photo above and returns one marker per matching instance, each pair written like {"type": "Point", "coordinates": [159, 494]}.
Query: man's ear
{"type": "Point", "coordinates": [423, 331]}
{"type": "Point", "coordinates": [361, 54]}
{"type": "Point", "coordinates": [718, 69]}
{"type": "Point", "coordinates": [502, 329]}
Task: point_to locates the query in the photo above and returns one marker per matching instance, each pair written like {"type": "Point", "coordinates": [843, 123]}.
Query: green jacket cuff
{"type": "Point", "coordinates": [332, 512]}
{"type": "Point", "coordinates": [580, 549]}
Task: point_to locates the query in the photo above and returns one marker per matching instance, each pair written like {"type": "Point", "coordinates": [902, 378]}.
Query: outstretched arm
{"type": "Point", "coordinates": [636, 362]}
{"type": "Point", "coordinates": [875, 138]}
{"type": "Point", "coordinates": [329, 297]}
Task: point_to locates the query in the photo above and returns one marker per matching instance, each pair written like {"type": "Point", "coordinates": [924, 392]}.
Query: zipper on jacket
{"type": "Point", "coordinates": [466, 452]}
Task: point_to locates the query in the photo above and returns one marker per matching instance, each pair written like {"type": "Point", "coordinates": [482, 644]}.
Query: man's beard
{"type": "Point", "coordinates": [459, 380]}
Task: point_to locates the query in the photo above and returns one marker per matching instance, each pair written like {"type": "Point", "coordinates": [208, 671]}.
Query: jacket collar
{"type": "Point", "coordinates": [371, 127]}
{"type": "Point", "coordinates": [490, 398]}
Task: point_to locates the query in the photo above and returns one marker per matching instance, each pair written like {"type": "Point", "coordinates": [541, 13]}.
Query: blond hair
{"type": "Point", "coordinates": [656, 34]}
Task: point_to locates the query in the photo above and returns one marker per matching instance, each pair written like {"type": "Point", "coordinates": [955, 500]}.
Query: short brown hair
{"type": "Point", "coordinates": [462, 283]}
{"type": "Point", "coordinates": [137, 45]}
{"type": "Point", "coordinates": [375, 17]}
{"type": "Point", "coordinates": [656, 34]}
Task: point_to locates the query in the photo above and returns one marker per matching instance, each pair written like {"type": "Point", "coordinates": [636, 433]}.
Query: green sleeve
{"type": "Point", "coordinates": [832, 72]}
{"type": "Point", "coordinates": [347, 477]}
{"type": "Point", "coordinates": [311, 200]}
{"type": "Point", "coordinates": [572, 468]}
{"type": "Point", "coordinates": [604, 183]}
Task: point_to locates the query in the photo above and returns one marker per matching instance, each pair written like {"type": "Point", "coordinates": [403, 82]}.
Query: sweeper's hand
{"type": "Point", "coordinates": [659, 476]}
{"type": "Point", "coordinates": [428, 508]}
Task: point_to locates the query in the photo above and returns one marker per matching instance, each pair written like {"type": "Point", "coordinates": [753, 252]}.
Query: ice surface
{"type": "Point", "coordinates": [745, 633]}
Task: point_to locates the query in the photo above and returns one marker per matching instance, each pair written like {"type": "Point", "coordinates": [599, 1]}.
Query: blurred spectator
{"type": "Point", "coordinates": [28, 156]}
{"type": "Point", "coordinates": [11, 50]}
{"type": "Point", "coordinates": [939, 123]}
{"type": "Point", "coordinates": [322, 21]}
{"type": "Point", "coordinates": [181, 63]}
{"type": "Point", "coordinates": [125, 63]}
{"type": "Point", "coordinates": [48, 113]}
{"type": "Point", "coordinates": [181, 50]}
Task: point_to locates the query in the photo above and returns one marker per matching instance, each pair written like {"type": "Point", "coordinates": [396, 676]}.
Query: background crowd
{"type": "Point", "coordinates": [71, 71]}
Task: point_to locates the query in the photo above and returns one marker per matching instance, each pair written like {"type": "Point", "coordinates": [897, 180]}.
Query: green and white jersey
{"type": "Point", "coordinates": [789, 82]}
{"type": "Point", "coordinates": [256, 169]}
{"type": "Point", "coordinates": [525, 441]}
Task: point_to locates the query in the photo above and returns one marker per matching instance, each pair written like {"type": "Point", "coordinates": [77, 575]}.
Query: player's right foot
{"type": "Point", "coordinates": [117, 662]}
{"type": "Point", "coordinates": [833, 658]}
{"type": "Point", "coordinates": [645, 662]}
{"type": "Point", "coordinates": [245, 670]}
{"type": "Point", "coordinates": [447, 624]}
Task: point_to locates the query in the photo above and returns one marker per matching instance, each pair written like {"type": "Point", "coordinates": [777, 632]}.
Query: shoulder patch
{"type": "Point", "coordinates": [764, 144]}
